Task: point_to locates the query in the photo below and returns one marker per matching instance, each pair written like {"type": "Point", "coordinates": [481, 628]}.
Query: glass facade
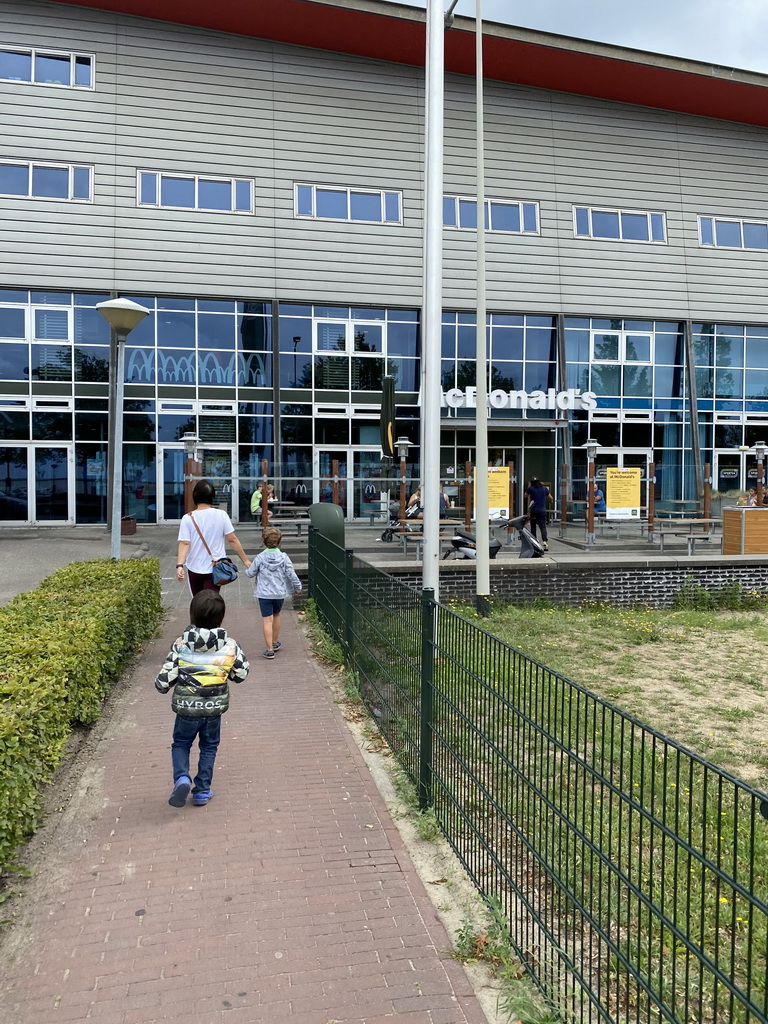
{"type": "Point", "coordinates": [295, 388]}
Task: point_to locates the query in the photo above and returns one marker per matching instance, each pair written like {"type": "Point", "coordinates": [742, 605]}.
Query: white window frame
{"type": "Point", "coordinates": [382, 193]}
{"type": "Point", "coordinates": [232, 181]}
{"type": "Point", "coordinates": [30, 166]}
{"type": "Point", "coordinates": [741, 221]}
{"type": "Point", "coordinates": [519, 203]}
{"type": "Point", "coordinates": [622, 357]}
{"type": "Point", "coordinates": [51, 51]}
{"type": "Point", "coordinates": [619, 210]}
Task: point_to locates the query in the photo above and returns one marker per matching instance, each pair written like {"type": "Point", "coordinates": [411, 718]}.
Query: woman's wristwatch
{"type": "Point", "coordinates": [179, 565]}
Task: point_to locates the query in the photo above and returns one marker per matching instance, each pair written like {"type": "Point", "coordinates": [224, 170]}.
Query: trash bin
{"type": "Point", "coordinates": [328, 519]}
{"type": "Point", "coordinates": [745, 531]}
{"type": "Point", "coordinates": [127, 526]}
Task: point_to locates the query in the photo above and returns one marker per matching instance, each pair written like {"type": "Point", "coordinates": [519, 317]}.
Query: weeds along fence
{"type": "Point", "coordinates": [631, 873]}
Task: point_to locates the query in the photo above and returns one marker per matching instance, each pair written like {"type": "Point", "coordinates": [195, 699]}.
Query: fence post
{"type": "Point", "coordinates": [348, 605]}
{"type": "Point", "coordinates": [428, 614]}
{"type": "Point", "coordinates": [311, 555]}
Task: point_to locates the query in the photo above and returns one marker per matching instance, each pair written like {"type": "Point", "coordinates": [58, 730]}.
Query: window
{"type": "Point", "coordinates": [46, 181]}
{"type": "Point", "coordinates": [365, 206]}
{"type": "Point", "coordinates": [47, 67]}
{"type": "Point", "coordinates": [731, 233]}
{"type": "Point", "coordinates": [623, 225]}
{"type": "Point", "coordinates": [518, 218]}
{"type": "Point", "coordinates": [195, 192]}
{"type": "Point", "coordinates": [621, 346]}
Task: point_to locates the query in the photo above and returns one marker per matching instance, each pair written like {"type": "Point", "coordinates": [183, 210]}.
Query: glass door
{"type": "Point", "coordinates": [37, 484]}
{"type": "Point", "coordinates": [359, 492]}
{"type": "Point", "coordinates": [14, 484]}
{"type": "Point", "coordinates": [624, 458]}
{"type": "Point", "coordinates": [216, 465]}
{"type": "Point", "coordinates": [54, 493]}
{"type": "Point", "coordinates": [734, 470]}
{"type": "Point", "coordinates": [331, 486]}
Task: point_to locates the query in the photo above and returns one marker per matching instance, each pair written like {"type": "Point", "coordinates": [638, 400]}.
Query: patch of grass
{"type": "Point", "coordinates": [490, 944]}
{"type": "Point", "coordinates": [734, 714]}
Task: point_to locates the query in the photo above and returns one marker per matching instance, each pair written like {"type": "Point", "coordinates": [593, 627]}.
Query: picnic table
{"type": "Point", "coordinates": [412, 531]}
{"type": "Point", "coordinates": [692, 530]}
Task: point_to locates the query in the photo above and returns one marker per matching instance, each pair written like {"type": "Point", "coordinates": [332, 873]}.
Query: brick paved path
{"type": "Point", "coordinates": [288, 898]}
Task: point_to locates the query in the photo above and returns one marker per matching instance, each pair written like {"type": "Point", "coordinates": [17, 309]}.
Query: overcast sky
{"type": "Point", "coordinates": [729, 32]}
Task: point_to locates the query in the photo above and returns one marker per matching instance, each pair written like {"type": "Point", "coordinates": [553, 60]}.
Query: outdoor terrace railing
{"type": "Point", "coordinates": [631, 871]}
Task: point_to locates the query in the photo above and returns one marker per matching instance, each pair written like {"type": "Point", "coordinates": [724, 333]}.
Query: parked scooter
{"type": "Point", "coordinates": [464, 544]}
{"type": "Point", "coordinates": [529, 546]}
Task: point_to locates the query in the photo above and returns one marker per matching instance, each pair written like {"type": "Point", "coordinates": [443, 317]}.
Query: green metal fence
{"type": "Point", "coordinates": [632, 872]}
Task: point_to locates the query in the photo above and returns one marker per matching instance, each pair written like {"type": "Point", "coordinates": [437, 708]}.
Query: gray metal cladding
{"type": "Point", "coordinates": [175, 99]}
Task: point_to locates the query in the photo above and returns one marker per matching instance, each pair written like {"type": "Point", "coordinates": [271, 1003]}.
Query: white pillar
{"type": "Point", "coordinates": [433, 296]}
{"type": "Point", "coordinates": [482, 532]}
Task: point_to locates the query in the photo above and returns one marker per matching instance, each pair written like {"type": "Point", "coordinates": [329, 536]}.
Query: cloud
{"type": "Point", "coordinates": [732, 34]}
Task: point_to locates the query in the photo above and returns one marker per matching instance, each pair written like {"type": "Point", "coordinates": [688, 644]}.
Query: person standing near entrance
{"type": "Point", "coordinates": [538, 496]}
{"type": "Point", "coordinates": [206, 525]}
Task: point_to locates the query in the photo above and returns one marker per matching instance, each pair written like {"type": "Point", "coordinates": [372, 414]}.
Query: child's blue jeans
{"type": "Point", "coordinates": [208, 733]}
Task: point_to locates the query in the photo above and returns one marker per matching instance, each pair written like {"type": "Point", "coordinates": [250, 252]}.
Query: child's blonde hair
{"type": "Point", "coordinates": [271, 537]}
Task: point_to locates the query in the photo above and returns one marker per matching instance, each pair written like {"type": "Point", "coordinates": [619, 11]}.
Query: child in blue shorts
{"type": "Point", "coordinates": [275, 579]}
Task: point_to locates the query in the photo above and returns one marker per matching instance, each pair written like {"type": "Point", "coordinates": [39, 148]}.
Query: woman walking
{"type": "Point", "coordinates": [211, 525]}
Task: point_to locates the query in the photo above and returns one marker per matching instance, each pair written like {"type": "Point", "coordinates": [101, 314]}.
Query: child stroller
{"type": "Point", "coordinates": [394, 522]}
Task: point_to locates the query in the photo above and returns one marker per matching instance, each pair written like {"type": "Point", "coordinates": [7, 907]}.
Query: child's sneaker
{"type": "Point", "coordinates": [268, 654]}
{"type": "Point", "coordinates": [276, 645]}
{"type": "Point", "coordinates": [201, 798]}
{"type": "Point", "coordinates": [180, 792]}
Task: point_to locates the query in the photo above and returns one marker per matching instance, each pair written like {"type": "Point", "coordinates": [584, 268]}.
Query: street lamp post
{"type": "Point", "coordinates": [190, 441]}
{"type": "Point", "coordinates": [759, 448]}
{"type": "Point", "coordinates": [122, 315]}
{"type": "Point", "coordinates": [591, 449]}
{"type": "Point", "coordinates": [296, 343]}
{"type": "Point", "coordinates": [402, 444]}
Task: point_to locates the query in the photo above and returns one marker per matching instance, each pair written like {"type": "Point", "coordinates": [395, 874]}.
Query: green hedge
{"type": "Point", "coordinates": [62, 646]}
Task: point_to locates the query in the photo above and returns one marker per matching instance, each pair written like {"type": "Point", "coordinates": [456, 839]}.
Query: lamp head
{"type": "Point", "coordinates": [122, 314]}
{"type": "Point", "coordinates": [190, 441]}
{"type": "Point", "coordinates": [591, 448]}
{"type": "Point", "coordinates": [759, 448]}
{"type": "Point", "coordinates": [402, 444]}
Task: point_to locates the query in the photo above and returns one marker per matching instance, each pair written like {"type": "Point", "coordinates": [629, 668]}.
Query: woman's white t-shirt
{"type": "Point", "coordinates": [214, 525]}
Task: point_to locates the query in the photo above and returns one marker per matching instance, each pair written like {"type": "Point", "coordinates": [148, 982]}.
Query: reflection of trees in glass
{"type": "Point", "coordinates": [705, 382]}
{"type": "Point", "coordinates": [606, 347]}
{"type": "Point", "coordinates": [90, 368]}
{"type": "Point", "coordinates": [331, 372]}
{"type": "Point", "coordinates": [55, 364]}
{"type": "Point", "coordinates": [466, 378]}
{"type": "Point", "coordinates": [637, 381]}
{"type": "Point", "coordinates": [704, 345]}
{"type": "Point", "coordinates": [367, 374]}
{"type": "Point", "coordinates": [254, 331]}
{"type": "Point", "coordinates": [606, 380]}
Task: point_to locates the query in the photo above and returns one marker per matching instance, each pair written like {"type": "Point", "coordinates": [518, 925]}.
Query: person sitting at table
{"type": "Point", "coordinates": [413, 509]}
{"type": "Point", "coordinates": [599, 501]}
{"type": "Point", "coordinates": [257, 498]}
{"type": "Point", "coordinates": [752, 498]}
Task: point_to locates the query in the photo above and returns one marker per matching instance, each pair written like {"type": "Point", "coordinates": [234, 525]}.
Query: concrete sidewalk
{"type": "Point", "coordinates": [290, 897]}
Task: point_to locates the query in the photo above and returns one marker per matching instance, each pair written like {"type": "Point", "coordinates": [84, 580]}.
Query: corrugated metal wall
{"type": "Point", "coordinates": [170, 98]}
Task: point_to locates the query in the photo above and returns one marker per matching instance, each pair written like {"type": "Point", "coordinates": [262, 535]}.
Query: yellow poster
{"type": "Point", "coordinates": [498, 492]}
{"type": "Point", "coordinates": [622, 493]}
